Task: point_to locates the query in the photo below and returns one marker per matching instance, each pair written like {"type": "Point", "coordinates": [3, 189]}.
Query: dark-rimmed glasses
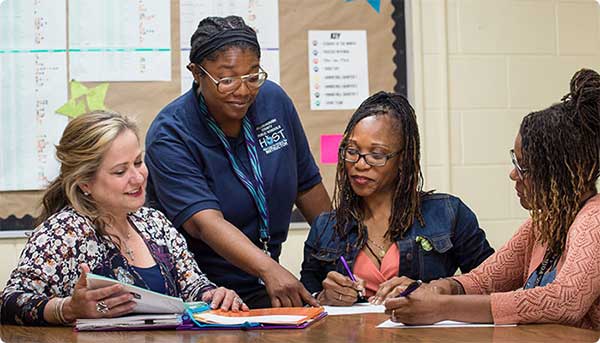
{"type": "Point", "coordinates": [230, 84]}
{"type": "Point", "coordinates": [520, 171]}
{"type": "Point", "coordinates": [374, 159]}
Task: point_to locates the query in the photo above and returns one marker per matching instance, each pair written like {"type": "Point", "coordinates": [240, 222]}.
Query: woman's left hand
{"type": "Point", "coordinates": [224, 298]}
{"type": "Point", "coordinates": [423, 306]}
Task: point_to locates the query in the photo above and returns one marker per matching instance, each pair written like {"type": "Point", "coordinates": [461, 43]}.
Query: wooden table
{"type": "Point", "coordinates": [354, 328]}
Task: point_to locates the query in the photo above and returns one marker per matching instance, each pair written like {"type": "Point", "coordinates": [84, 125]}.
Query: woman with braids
{"type": "Point", "coordinates": [384, 225]}
{"type": "Point", "coordinates": [228, 160]}
{"type": "Point", "coordinates": [93, 219]}
{"type": "Point", "coordinates": [549, 271]}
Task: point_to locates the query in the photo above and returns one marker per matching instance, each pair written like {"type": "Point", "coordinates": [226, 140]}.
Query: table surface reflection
{"type": "Point", "coordinates": [353, 328]}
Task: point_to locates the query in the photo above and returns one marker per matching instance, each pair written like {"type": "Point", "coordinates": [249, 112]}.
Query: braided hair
{"type": "Point", "coordinates": [211, 27]}
{"type": "Point", "coordinates": [560, 147]}
{"type": "Point", "coordinates": [406, 201]}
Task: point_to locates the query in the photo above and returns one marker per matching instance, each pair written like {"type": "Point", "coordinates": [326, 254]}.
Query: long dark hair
{"type": "Point", "coordinates": [406, 202]}
{"type": "Point", "coordinates": [560, 149]}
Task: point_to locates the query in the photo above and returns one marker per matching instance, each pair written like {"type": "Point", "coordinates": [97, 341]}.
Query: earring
{"type": "Point", "coordinates": [86, 193]}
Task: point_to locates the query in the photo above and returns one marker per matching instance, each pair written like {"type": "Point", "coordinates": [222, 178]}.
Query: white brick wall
{"type": "Point", "coordinates": [484, 64]}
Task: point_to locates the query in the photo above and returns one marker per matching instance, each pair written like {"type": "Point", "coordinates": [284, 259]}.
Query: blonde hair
{"type": "Point", "coordinates": [80, 153]}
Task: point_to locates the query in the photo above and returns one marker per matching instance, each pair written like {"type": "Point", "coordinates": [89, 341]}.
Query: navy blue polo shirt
{"type": "Point", "coordinates": [190, 172]}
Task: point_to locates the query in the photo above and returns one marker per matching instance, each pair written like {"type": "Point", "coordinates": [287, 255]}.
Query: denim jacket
{"type": "Point", "coordinates": [450, 227]}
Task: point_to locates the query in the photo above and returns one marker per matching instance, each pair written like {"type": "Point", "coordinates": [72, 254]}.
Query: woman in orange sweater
{"type": "Point", "coordinates": [549, 271]}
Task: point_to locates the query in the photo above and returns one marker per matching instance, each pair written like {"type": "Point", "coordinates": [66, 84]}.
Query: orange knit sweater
{"type": "Point", "coordinates": [573, 298]}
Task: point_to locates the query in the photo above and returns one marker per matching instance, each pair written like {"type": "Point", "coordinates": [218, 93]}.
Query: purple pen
{"type": "Point", "coordinates": [411, 288]}
{"type": "Point", "coordinates": [360, 294]}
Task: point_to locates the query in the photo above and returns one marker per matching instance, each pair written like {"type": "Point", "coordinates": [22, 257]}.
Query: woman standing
{"type": "Point", "coordinates": [384, 225]}
{"type": "Point", "coordinates": [228, 160]}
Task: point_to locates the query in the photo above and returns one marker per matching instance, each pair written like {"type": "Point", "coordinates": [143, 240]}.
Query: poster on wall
{"type": "Point", "coordinates": [338, 69]}
{"type": "Point", "coordinates": [261, 15]}
{"type": "Point", "coordinates": [117, 40]}
{"type": "Point", "coordinates": [33, 82]}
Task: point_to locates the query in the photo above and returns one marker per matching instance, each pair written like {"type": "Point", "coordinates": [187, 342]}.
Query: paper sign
{"type": "Point", "coordinates": [330, 145]}
{"type": "Point", "coordinates": [338, 69]}
{"type": "Point", "coordinates": [84, 100]}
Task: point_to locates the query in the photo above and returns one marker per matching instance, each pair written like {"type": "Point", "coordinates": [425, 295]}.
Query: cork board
{"type": "Point", "coordinates": [143, 100]}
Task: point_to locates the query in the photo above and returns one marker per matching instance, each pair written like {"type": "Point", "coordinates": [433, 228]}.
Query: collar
{"type": "Point", "coordinates": [202, 132]}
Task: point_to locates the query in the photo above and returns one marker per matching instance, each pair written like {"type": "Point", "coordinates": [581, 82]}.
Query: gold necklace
{"type": "Point", "coordinates": [382, 249]}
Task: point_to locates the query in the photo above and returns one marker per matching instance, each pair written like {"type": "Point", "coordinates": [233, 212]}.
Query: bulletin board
{"type": "Point", "coordinates": [143, 100]}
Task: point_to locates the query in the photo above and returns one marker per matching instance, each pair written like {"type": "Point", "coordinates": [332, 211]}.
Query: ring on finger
{"type": "Point", "coordinates": [238, 300]}
{"type": "Point", "coordinates": [393, 313]}
{"type": "Point", "coordinates": [102, 307]}
{"type": "Point", "coordinates": [340, 297]}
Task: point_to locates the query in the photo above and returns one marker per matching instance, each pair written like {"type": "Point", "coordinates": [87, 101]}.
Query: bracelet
{"type": "Point", "coordinates": [58, 311]}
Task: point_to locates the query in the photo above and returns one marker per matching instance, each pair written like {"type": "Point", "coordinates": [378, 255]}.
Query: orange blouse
{"type": "Point", "coordinates": [365, 269]}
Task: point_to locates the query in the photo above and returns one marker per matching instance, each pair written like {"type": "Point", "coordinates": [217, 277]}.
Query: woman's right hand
{"type": "Point", "coordinates": [340, 290]}
{"type": "Point", "coordinates": [111, 301]}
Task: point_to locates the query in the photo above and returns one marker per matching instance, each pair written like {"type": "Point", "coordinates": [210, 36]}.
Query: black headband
{"type": "Point", "coordinates": [204, 48]}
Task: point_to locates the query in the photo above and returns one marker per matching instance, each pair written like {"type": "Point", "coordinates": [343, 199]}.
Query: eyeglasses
{"type": "Point", "coordinates": [228, 85]}
{"type": "Point", "coordinates": [374, 159]}
{"type": "Point", "coordinates": [520, 171]}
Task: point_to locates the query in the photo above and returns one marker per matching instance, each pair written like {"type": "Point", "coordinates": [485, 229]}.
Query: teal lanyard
{"type": "Point", "coordinates": [255, 184]}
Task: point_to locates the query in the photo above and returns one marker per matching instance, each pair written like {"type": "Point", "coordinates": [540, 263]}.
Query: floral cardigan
{"type": "Point", "coordinates": [49, 264]}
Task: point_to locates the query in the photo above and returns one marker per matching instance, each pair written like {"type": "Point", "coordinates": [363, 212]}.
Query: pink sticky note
{"type": "Point", "coordinates": [329, 148]}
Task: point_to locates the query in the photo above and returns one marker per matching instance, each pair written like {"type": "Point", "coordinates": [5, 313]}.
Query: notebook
{"type": "Point", "coordinates": [134, 322]}
{"type": "Point", "coordinates": [269, 318]}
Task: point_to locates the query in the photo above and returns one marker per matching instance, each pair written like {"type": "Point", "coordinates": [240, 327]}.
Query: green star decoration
{"type": "Point", "coordinates": [84, 99]}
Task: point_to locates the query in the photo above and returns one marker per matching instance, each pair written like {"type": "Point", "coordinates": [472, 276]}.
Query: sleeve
{"type": "Point", "coordinates": [470, 245]}
{"type": "Point", "coordinates": [569, 297]}
{"type": "Point", "coordinates": [47, 268]}
{"type": "Point", "coordinates": [312, 274]}
{"type": "Point", "coordinates": [502, 271]}
{"type": "Point", "coordinates": [178, 181]}
{"type": "Point", "coordinates": [308, 172]}
{"type": "Point", "coordinates": [192, 282]}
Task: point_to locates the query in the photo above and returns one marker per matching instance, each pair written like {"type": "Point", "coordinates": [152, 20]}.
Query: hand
{"type": "Point", "coordinates": [396, 285]}
{"type": "Point", "coordinates": [421, 307]}
{"type": "Point", "coordinates": [285, 290]}
{"type": "Point", "coordinates": [340, 290]}
{"type": "Point", "coordinates": [390, 288]}
{"type": "Point", "coordinates": [226, 298]}
{"type": "Point", "coordinates": [85, 303]}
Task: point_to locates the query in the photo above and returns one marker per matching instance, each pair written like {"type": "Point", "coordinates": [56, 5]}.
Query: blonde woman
{"type": "Point", "coordinates": [93, 219]}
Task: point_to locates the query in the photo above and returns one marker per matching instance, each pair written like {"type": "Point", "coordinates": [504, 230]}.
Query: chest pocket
{"type": "Point", "coordinates": [441, 243]}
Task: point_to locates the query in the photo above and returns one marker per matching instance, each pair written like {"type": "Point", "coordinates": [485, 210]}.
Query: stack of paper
{"type": "Point", "coordinates": [269, 318]}
{"type": "Point", "coordinates": [147, 301]}
{"type": "Point", "coordinates": [135, 322]}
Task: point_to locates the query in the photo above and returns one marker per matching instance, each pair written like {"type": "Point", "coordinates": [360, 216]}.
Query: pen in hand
{"type": "Point", "coordinates": [361, 297]}
{"type": "Point", "coordinates": [411, 288]}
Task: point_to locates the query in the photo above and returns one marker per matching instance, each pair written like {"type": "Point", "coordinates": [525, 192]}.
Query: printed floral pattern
{"type": "Point", "coordinates": [49, 263]}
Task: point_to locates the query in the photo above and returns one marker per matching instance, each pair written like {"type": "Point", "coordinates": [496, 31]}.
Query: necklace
{"type": "Point", "coordinates": [128, 250]}
{"type": "Point", "coordinates": [381, 252]}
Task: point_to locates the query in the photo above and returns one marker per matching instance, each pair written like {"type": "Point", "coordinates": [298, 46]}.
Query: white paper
{"type": "Point", "coordinates": [443, 324]}
{"type": "Point", "coordinates": [273, 319]}
{"type": "Point", "coordinates": [338, 69]}
{"type": "Point", "coordinates": [33, 83]}
{"type": "Point", "coordinates": [262, 15]}
{"type": "Point", "coordinates": [354, 309]}
{"type": "Point", "coordinates": [147, 301]}
{"type": "Point", "coordinates": [120, 40]}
